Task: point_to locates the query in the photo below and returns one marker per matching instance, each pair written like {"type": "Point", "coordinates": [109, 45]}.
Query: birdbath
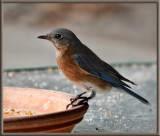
{"type": "Point", "coordinates": [34, 110]}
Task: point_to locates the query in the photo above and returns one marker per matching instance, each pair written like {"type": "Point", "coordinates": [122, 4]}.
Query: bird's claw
{"type": "Point", "coordinates": [76, 98]}
{"type": "Point", "coordinates": [68, 106]}
{"type": "Point", "coordinates": [81, 102]}
{"type": "Point", "coordinates": [72, 100]}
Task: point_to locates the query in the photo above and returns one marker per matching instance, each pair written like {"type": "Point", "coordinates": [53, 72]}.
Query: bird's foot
{"type": "Point", "coordinates": [81, 102]}
{"type": "Point", "coordinates": [72, 100]}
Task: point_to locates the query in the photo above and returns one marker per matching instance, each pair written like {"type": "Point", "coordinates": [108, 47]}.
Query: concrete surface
{"type": "Point", "coordinates": [114, 112]}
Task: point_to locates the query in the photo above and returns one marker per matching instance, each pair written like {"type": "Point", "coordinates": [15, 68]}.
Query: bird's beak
{"type": "Point", "coordinates": [44, 37]}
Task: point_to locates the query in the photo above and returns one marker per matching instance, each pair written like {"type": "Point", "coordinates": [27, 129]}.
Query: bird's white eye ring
{"type": "Point", "coordinates": [58, 36]}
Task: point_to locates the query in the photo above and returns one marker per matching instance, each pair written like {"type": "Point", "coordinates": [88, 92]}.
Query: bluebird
{"type": "Point", "coordinates": [84, 68]}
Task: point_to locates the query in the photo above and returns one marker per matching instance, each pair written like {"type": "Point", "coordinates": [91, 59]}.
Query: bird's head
{"type": "Point", "coordinates": [61, 38]}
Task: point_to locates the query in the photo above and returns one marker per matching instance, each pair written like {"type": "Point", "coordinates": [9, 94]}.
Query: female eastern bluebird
{"type": "Point", "coordinates": [84, 68]}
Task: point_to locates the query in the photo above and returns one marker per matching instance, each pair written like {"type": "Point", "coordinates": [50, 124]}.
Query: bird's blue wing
{"type": "Point", "coordinates": [96, 68]}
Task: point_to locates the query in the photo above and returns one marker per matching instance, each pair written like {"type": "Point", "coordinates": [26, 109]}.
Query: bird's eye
{"type": "Point", "coordinates": [58, 36]}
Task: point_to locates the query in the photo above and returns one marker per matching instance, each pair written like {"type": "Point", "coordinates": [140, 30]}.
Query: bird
{"type": "Point", "coordinates": [84, 68]}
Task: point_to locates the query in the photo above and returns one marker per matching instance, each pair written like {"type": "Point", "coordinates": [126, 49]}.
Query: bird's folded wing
{"type": "Point", "coordinates": [96, 67]}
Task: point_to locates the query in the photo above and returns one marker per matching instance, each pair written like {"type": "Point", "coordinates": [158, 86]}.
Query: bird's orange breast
{"type": "Point", "coordinates": [70, 69]}
{"type": "Point", "coordinates": [75, 74]}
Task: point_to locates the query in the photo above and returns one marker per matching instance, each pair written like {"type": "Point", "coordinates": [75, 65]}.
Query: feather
{"type": "Point", "coordinates": [96, 67]}
{"type": "Point", "coordinates": [132, 93]}
{"type": "Point", "coordinates": [100, 69]}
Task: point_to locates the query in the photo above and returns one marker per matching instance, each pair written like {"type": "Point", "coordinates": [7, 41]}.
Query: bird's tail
{"type": "Point", "coordinates": [134, 95]}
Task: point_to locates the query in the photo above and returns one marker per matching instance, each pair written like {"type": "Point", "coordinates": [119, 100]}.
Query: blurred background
{"type": "Point", "coordinates": [115, 32]}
